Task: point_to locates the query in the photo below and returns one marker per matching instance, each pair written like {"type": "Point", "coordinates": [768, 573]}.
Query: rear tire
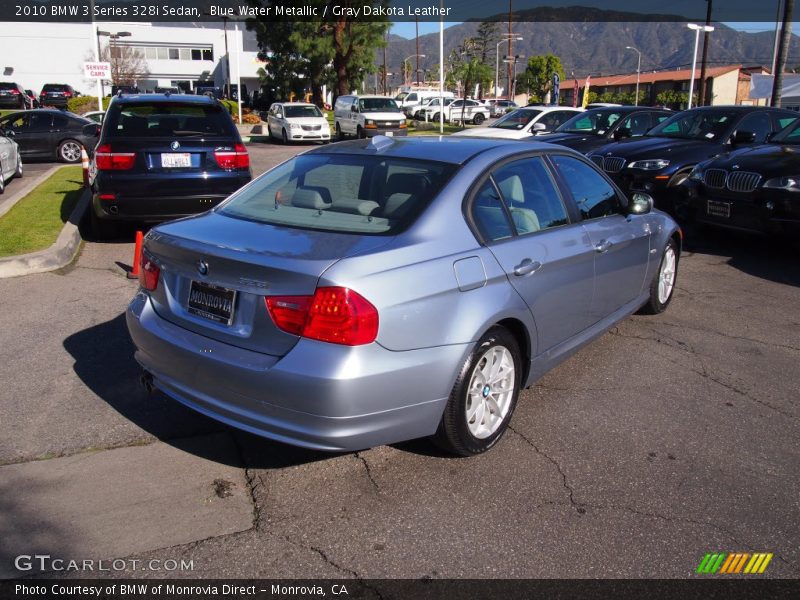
{"type": "Point", "coordinates": [69, 151]}
{"type": "Point", "coordinates": [663, 284]}
{"type": "Point", "coordinates": [484, 396]}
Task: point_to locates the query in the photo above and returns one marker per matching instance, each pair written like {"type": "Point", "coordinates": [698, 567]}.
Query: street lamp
{"type": "Point", "coordinates": [638, 71]}
{"type": "Point", "coordinates": [111, 37]}
{"type": "Point", "coordinates": [405, 60]}
{"type": "Point", "coordinates": [497, 60]}
{"type": "Point", "coordinates": [697, 29]}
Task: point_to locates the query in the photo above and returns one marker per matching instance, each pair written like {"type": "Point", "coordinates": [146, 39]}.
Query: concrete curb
{"type": "Point", "coordinates": [28, 185]}
{"type": "Point", "coordinates": [59, 255]}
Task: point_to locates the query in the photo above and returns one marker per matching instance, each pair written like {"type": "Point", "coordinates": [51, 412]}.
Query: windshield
{"type": "Point", "coordinates": [595, 122]}
{"type": "Point", "coordinates": [302, 111]}
{"type": "Point", "coordinates": [517, 119]}
{"type": "Point", "coordinates": [343, 193]}
{"type": "Point", "coordinates": [696, 125]}
{"type": "Point", "coordinates": [377, 105]}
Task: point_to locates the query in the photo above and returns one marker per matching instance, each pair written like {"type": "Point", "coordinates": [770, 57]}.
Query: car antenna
{"type": "Point", "coordinates": [378, 143]}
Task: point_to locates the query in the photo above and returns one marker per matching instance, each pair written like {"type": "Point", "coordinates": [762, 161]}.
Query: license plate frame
{"type": "Point", "coordinates": [718, 208]}
{"type": "Point", "coordinates": [200, 305]}
{"type": "Point", "coordinates": [176, 160]}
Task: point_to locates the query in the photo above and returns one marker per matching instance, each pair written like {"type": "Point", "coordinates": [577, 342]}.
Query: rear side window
{"type": "Point", "coordinates": [167, 119]}
{"type": "Point", "coordinates": [343, 193]}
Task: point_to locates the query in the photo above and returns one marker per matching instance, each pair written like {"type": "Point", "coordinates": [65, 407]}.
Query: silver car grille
{"type": "Point", "coordinates": [735, 181]}
{"type": "Point", "coordinates": [311, 127]}
{"type": "Point", "coordinates": [715, 178]}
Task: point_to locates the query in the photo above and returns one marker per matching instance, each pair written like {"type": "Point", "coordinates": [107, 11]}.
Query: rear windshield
{"type": "Point", "coordinates": [167, 119]}
{"type": "Point", "coordinates": [55, 87]}
{"type": "Point", "coordinates": [302, 111]}
{"type": "Point", "coordinates": [5, 85]}
{"type": "Point", "coordinates": [370, 195]}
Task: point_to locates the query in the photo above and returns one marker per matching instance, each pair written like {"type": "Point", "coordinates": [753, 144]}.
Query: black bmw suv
{"type": "Point", "coordinates": [160, 157]}
{"type": "Point", "coordinates": [659, 161]}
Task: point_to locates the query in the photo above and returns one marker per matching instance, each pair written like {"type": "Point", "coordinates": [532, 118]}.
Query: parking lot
{"type": "Point", "coordinates": [669, 437]}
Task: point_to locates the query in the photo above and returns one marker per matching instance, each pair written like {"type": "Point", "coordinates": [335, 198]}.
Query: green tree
{"type": "Point", "coordinates": [469, 72]}
{"type": "Point", "coordinates": [538, 75]}
{"type": "Point", "coordinates": [675, 99]}
{"type": "Point", "coordinates": [484, 45]}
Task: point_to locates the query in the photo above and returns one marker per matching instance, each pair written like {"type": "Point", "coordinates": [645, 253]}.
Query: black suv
{"type": "Point", "coordinates": [56, 95]}
{"type": "Point", "coordinates": [659, 161]}
{"type": "Point", "coordinates": [160, 157]}
{"type": "Point", "coordinates": [12, 95]}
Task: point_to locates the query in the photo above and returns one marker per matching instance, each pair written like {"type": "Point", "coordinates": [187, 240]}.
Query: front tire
{"type": "Point", "coordinates": [69, 151]}
{"type": "Point", "coordinates": [284, 137]}
{"type": "Point", "coordinates": [663, 284]}
{"type": "Point", "coordinates": [339, 134]}
{"type": "Point", "coordinates": [19, 172]}
{"type": "Point", "coordinates": [484, 396]}
{"type": "Point", "coordinates": [360, 133]}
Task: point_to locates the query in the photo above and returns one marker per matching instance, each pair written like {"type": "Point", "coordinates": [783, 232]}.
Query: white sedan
{"type": "Point", "coordinates": [524, 122]}
{"type": "Point", "coordinates": [297, 121]}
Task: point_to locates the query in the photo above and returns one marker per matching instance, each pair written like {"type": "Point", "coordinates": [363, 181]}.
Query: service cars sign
{"type": "Point", "coordinates": [97, 70]}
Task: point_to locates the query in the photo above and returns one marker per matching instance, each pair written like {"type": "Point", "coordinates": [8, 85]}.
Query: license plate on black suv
{"type": "Point", "coordinates": [715, 208]}
{"type": "Point", "coordinates": [212, 302]}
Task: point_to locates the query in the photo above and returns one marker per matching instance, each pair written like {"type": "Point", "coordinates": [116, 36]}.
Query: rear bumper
{"type": "Point", "coordinates": [10, 102]}
{"type": "Point", "coordinates": [319, 395]}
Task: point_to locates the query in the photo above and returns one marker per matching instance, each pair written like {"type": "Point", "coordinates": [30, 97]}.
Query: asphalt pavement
{"type": "Point", "coordinates": [669, 437]}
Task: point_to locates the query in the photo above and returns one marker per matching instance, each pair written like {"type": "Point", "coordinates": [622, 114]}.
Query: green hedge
{"type": "Point", "coordinates": [233, 108]}
{"type": "Point", "coordinates": [83, 104]}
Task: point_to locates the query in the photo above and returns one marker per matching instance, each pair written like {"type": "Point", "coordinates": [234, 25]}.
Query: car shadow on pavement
{"type": "Point", "coordinates": [104, 362]}
{"type": "Point", "coordinates": [766, 257]}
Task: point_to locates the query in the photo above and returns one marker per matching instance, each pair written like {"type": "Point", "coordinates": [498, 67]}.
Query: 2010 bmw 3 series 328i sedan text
{"type": "Point", "coordinates": [375, 291]}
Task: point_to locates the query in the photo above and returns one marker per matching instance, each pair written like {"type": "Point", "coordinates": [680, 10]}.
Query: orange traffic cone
{"type": "Point", "coordinates": [137, 257]}
{"type": "Point", "coordinates": [85, 165]}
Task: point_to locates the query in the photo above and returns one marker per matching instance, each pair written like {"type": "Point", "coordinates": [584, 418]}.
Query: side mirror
{"type": "Point", "coordinates": [743, 137]}
{"type": "Point", "coordinates": [622, 133]}
{"type": "Point", "coordinates": [539, 128]}
{"type": "Point", "coordinates": [640, 204]}
{"type": "Point", "coordinates": [91, 130]}
{"type": "Point", "coordinates": [7, 132]}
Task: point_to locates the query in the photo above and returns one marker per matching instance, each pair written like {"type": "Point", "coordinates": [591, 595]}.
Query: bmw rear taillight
{"type": "Point", "coordinates": [148, 273]}
{"type": "Point", "coordinates": [14, 92]}
{"type": "Point", "coordinates": [333, 314]}
{"type": "Point", "coordinates": [68, 94]}
{"type": "Point", "coordinates": [238, 158]}
{"type": "Point", "coordinates": [107, 160]}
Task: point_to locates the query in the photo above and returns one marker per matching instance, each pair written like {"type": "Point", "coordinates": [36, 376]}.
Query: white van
{"type": "Point", "coordinates": [367, 116]}
{"type": "Point", "coordinates": [411, 102]}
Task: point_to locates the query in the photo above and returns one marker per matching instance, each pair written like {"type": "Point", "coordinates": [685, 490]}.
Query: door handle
{"type": "Point", "coordinates": [526, 267]}
{"type": "Point", "coordinates": [603, 246]}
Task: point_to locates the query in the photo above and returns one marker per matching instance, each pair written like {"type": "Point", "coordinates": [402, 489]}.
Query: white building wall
{"type": "Point", "coordinates": [724, 88]}
{"type": "Point", "coordinates": [33, 54]}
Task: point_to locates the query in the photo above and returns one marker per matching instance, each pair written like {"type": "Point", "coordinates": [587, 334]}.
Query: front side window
{"type": "Point", "coordinates": [594, 196]}
{"type": "Point", "coordinates": [759, 123]}
{"type": "Point", "coordinates": [343, 193]}
{"type": "Point", "coordinates": [516, 120]}
{"type": "Point", "coordinates": [703, 124]}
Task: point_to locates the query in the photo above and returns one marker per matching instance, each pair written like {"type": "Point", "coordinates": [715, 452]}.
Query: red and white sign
{"type": "Point", "coordinates": [97, 70]}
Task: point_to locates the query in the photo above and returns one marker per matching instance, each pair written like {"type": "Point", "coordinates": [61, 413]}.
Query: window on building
{"type": "Point", "coordinates": [186, 54]}
{"type": "Point", "coordinates": [208, 55]}
{"type": "Point", "coordinates": [163, 53]}
{"type": "Point", "coordinates": [197, 54]}
{"type": "Point", "coordinates": [174, 54]}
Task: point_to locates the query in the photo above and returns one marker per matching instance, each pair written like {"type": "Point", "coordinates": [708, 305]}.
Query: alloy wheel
{"type": "Point", "coordinates": [490, 391]}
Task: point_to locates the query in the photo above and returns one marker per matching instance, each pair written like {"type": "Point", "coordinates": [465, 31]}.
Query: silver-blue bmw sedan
{"type": "Point", "coordinates": [381, 290]}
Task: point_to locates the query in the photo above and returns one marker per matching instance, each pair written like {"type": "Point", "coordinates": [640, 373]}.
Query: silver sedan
{"type": "Point", "coordinates": [380, 290]}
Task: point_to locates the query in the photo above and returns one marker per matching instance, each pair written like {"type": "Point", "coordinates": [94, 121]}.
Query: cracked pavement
{"type": "Point", "coordinates": [668, 437]}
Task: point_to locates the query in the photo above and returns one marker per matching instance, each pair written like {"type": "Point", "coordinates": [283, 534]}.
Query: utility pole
{"type": "Point", "coordinates": [510, 53]}
{"type": "Point", "coordinates": [783, 50]}
{"type": "Point", "coordinates": [416, 73]}
{"type": "Point", "coordinates": [385, 42]}
{"type": "Point", "coordinates": [701, 100]}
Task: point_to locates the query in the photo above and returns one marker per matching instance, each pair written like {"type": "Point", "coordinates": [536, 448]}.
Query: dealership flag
{"type": "Point", "coordinates": [575, 93]}
{"type": "Point", "coordinates": [556, 87]}
{"type": "Point", "coordinates": [586, 92]}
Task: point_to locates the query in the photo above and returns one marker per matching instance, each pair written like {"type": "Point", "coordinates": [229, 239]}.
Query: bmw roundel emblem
{"type": "Point", "coordinates": [175, 145]}
{"type": "Point", "coordinates": [735, 167]}
{"type": "Point", "coordinates": [202, 267]}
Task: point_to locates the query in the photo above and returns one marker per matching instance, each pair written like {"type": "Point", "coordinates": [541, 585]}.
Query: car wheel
{"type": "Point", "coordinates": [663, 284]}
{"type": "Point", "coordinates": [478, 119]}
{"type": "Point", "coordinates": [484, 396]}
{"type": "Point", "coordinates": [436, 118]}
{"type": "Point", "coordinates": [19, 171]}
{"type": "Point", "coordinates": [69, 151]}
{"type": "Point", "coordinates": [284, 137]}
{"type": "Point", "coordinates": [101, 228]}
{"type": "Point", "coordinates": [2, 180]}
{"type": "Point", "coordinates": [360, 133]}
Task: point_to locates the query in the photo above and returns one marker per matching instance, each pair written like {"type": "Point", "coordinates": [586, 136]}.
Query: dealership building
{"type": "Point", "coordinates": [184, 56]}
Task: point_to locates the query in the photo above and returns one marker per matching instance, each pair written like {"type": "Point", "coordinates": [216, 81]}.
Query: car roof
{"type": "Point", "coordinates": [446, 149]}
{"type": "Point", "coordinates": [187, 98]}
{"type": "Point", "coordinates": [296, 103]}
{"type": "Point", "coordinates": [49, 111]}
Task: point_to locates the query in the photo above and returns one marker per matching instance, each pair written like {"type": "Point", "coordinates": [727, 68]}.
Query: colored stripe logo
{"type": "Point", "coordinates": [734, 563]}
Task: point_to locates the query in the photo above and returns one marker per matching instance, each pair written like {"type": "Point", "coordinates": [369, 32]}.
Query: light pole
{"type": "Point", "coordinates": [111, 37]}
{"type": "Point", "coordinates": [497, 60]}
{"type": "Point", "coordinates": [697, 29]}
{"type": "Point", "coordinates": [406, 59]}
{"type": "Point", "coordinates": [638, 71]}
{"type": "Point", "coordinates": [513, 60]}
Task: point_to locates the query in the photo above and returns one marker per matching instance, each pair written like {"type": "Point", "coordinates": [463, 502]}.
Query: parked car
{"type": "Point", "coordinates": [524, 122]}
{"type": "Point", "coordinates": [594, 128]}
{"type": "Point", "coordinates": [433, 108]}
{"type": "Point", "coordinates": [499, 107]}
{"type": "Point", "coordinates": [755, 189]}
{"type": "Point", "coordinates": [160, 157]}
{"type": "Point", "coordinates": [10, 159]}
{"type": "Point", "coordinates": [12, 95]}
{"type": "Point", "coordinates": [471, 111]}
{"type": "Point", "coordinates": [412, 102]}
{"type": "Point", "coordinates": [32, 100]}
{"type": "Point", "coordinates": [369, 292]}
{"type": "Point", "coordinates": [367, 116]}
{"type": "Point", "coordinates": [297, 121]}
{"type": "Point", "coordinates": [56, 94]}
{"type": "Point", "coordinates": [659, 161]}
{"type": "Point", "coordinates": [124, 89]}
{"type": "Point", "coordinates": [49, 133]}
